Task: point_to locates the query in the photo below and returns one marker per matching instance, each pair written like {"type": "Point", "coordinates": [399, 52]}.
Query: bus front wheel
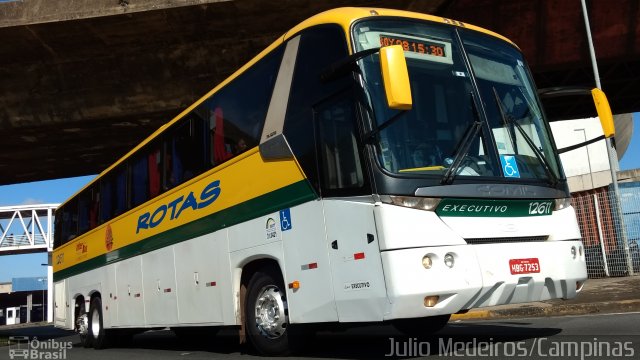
{"type": "Point", "coordinates": [267, 317]}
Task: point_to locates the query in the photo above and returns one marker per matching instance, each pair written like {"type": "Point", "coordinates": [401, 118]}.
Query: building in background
{"type": "Point", "coordinates": [23, 300]}
{"type": "Point", "coordinates": [610, 251]}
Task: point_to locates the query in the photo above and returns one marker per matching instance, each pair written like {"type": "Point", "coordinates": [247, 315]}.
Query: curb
{"type": "Point", "coordinates": [24, 325]}
{"type": "Point", "coordinates": [553, 310]}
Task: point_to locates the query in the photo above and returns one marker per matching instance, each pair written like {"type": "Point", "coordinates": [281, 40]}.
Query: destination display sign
{"type": "Point", "coordinates": [414, 45]}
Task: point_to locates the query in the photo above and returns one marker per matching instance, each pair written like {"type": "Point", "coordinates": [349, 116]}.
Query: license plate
{"type": "Point", "coordinates": [524, 266]}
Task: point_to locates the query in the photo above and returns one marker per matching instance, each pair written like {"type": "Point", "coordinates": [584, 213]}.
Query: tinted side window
{"type": "Point", "coordinates": [236, 113]}
{"type": "Point", "coordinates": [83, 211]}
{"type": "Point", "coordinates": [185, 151]}
{"type": "Point", "coordinates": [319, 48]}
{"type": "Point", "coordinates": [69, 222]}
{"type": "Point", "coordinates": [113, 189]}
{"type": "Point", "coordinates": [139, 179]}
{"type": "Point", "coordinates": [146, 174]}
{"type": "Point", "coordinates": [88, 208]}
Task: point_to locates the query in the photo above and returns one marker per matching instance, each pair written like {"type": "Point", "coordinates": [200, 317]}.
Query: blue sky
{"type": "Point", "coordinates": [41, 192]}
{"type": "Point", "coordinates": [631, 159]}
{"type": "Point", "coordinates": [57, 191]}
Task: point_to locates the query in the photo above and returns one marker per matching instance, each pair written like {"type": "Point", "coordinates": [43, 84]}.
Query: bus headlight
{"type": "Point", "coordinates": [421, 203]}
{"type": "Point", "coordinates": [574, 252]}
{"type": "Point", "coordinates": [449, 260]}
{"type": "Point", "coordinates": [562, 204]}
{"type": "Point", "coordinates": [426, 262]}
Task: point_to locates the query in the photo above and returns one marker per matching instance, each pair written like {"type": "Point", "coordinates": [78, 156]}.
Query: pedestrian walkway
{"type": "Point", "coordinates": [607, 295]}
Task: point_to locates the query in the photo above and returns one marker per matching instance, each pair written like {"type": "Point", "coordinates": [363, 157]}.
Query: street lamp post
{"type": "Point", "coordinates": [48, 294]}
{"type": "Point", "coordinates": [42, 280]}
{"type": "Point", "coordinates": [611, 151]}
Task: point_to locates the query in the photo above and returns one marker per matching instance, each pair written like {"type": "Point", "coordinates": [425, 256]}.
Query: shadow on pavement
{"type": "Point", "coordinates": [365, 342]}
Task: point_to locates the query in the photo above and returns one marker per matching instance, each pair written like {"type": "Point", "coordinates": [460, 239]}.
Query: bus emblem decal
{"type": "Point", "coordinates": [271, 229]}
{"type": "Point", "coordinates": [108, 238]}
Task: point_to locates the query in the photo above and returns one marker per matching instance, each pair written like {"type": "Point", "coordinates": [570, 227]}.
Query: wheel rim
{"type": "Point", "coordinates": [271, 316]}
{"type": "Point", "coordinates": [82, 324]}
{"type": "Point", "coordinates": [95, 323]}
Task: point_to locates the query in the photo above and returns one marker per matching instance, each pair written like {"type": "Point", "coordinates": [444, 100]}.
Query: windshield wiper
{"type": "Point", "coordinates": [368, 136]}
{"type": "Point", "coordinates": [469, 135]}
{"type": "Point", "coordinates": [508, 121]}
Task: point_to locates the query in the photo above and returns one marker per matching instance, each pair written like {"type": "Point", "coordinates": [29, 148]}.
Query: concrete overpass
{"type": "Point", "coordinates": [83, 81]}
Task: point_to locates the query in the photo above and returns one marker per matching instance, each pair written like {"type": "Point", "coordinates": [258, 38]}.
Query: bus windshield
{"type": "Point", "coordinates": [473, 104]}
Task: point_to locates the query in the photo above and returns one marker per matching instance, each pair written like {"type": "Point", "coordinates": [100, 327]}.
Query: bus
{"type": "Point", "coordinates": [369, 166]}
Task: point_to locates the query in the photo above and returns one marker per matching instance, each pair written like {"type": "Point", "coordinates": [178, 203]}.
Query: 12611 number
{"type": "Point", "coordinates": [540, 208]}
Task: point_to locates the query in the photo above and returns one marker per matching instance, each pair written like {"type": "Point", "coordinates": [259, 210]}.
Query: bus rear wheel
{"type": "Point", "coordinates": [421, 326]}
{"type": "Point", "coordinates": [96, 334]}
{"type": "Point", "coordinates": [267, 317]}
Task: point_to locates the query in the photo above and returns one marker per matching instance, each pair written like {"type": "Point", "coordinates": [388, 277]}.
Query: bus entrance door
{"type": "Point", "coordinates": [356, 266]}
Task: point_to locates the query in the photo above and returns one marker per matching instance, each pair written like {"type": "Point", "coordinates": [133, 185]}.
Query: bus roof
{"type": "Point", "coordinates": [348, 15]}
{"type": "Point", "coordinates": [344, 17]}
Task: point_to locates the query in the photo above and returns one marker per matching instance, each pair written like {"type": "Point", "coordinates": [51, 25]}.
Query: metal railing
{"type": "Point", "coordinates": [26, 228]}
{"type": "Point", "coordinates": [610, 230]}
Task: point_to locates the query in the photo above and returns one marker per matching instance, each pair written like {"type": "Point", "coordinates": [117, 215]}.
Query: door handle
{"type": "Point", "coordinates": [370, 238]}
{"type": "Point", "coordinates": [334, 244]}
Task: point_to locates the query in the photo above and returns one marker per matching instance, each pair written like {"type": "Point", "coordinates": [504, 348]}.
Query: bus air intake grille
{"type": "Point", "coordinates": [479, 241]}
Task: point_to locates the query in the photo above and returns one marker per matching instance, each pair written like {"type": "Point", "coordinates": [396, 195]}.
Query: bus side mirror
{"type": "Point", "coordinates": [599, 100]}
{"type": "Point", "coordinates": [604, 112]}
{"type": "Point", "coordinates": [395, 76]}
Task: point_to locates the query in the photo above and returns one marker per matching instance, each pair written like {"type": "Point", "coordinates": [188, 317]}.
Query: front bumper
{"type": "Point", "coordinates": [481, 276]}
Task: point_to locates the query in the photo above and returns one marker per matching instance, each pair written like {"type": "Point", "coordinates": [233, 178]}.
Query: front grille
{"type": "Point", "coordinates": [479, 241]}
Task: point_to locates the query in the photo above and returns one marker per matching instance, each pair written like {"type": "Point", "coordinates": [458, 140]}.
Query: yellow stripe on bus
{"type": "Point", "coordinates": [240, 180]}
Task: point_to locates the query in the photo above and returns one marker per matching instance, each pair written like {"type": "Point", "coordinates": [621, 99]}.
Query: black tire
{"type": "Point", "coordinates": [96, 333]}
{"type": "Point", "coordinates": [421, 326]}
{"type": "Point", "coordinates": [266, 289]}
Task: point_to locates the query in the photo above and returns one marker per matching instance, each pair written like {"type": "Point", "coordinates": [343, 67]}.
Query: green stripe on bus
{"type": "Point", "coordinates": [287, 196]}
{"type": "Point", "coordinates": [494, 208]}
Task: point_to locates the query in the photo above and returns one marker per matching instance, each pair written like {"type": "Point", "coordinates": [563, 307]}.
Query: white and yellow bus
{"type": "Point", "coordinates": [371, 165]}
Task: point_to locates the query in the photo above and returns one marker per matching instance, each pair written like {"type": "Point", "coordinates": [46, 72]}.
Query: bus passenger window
{"type": "Point", "coordinates": [94, 207]}
{"type": "Point", "coordinates": [154, 172]}
{"type": "Point", "coordinates": [221, 150]}
{"type": "Point", "coordinates": [113, 189]}
{"type": "Point", "coordinates": [88, 203]}
{"type": "Point", "coordinates": [121, 192]}
{"type": "Point", "coordinates": [145, 175]}
{"type": "Point", "coordinates": [83, 211]}
{"type": "Point", "coordinates": [186, 152]}
{"type": "Point", "coordinates": [139, 180]}
{"type": "Point", "coordinates": [69, 221]}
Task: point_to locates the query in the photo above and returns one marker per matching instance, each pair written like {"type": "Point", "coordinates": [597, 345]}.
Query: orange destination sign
{"type": "Point", "coordinates": [413, 45]}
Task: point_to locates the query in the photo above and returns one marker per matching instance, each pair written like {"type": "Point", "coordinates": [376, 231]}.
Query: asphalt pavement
{"type": "Point", "coordinates": [606, 295]}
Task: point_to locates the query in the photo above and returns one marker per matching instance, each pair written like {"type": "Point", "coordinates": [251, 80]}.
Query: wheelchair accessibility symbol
{"type": "Point", "coordinates": [509, 166]}
{"type": "Point", "coordinates": [285, 220]}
